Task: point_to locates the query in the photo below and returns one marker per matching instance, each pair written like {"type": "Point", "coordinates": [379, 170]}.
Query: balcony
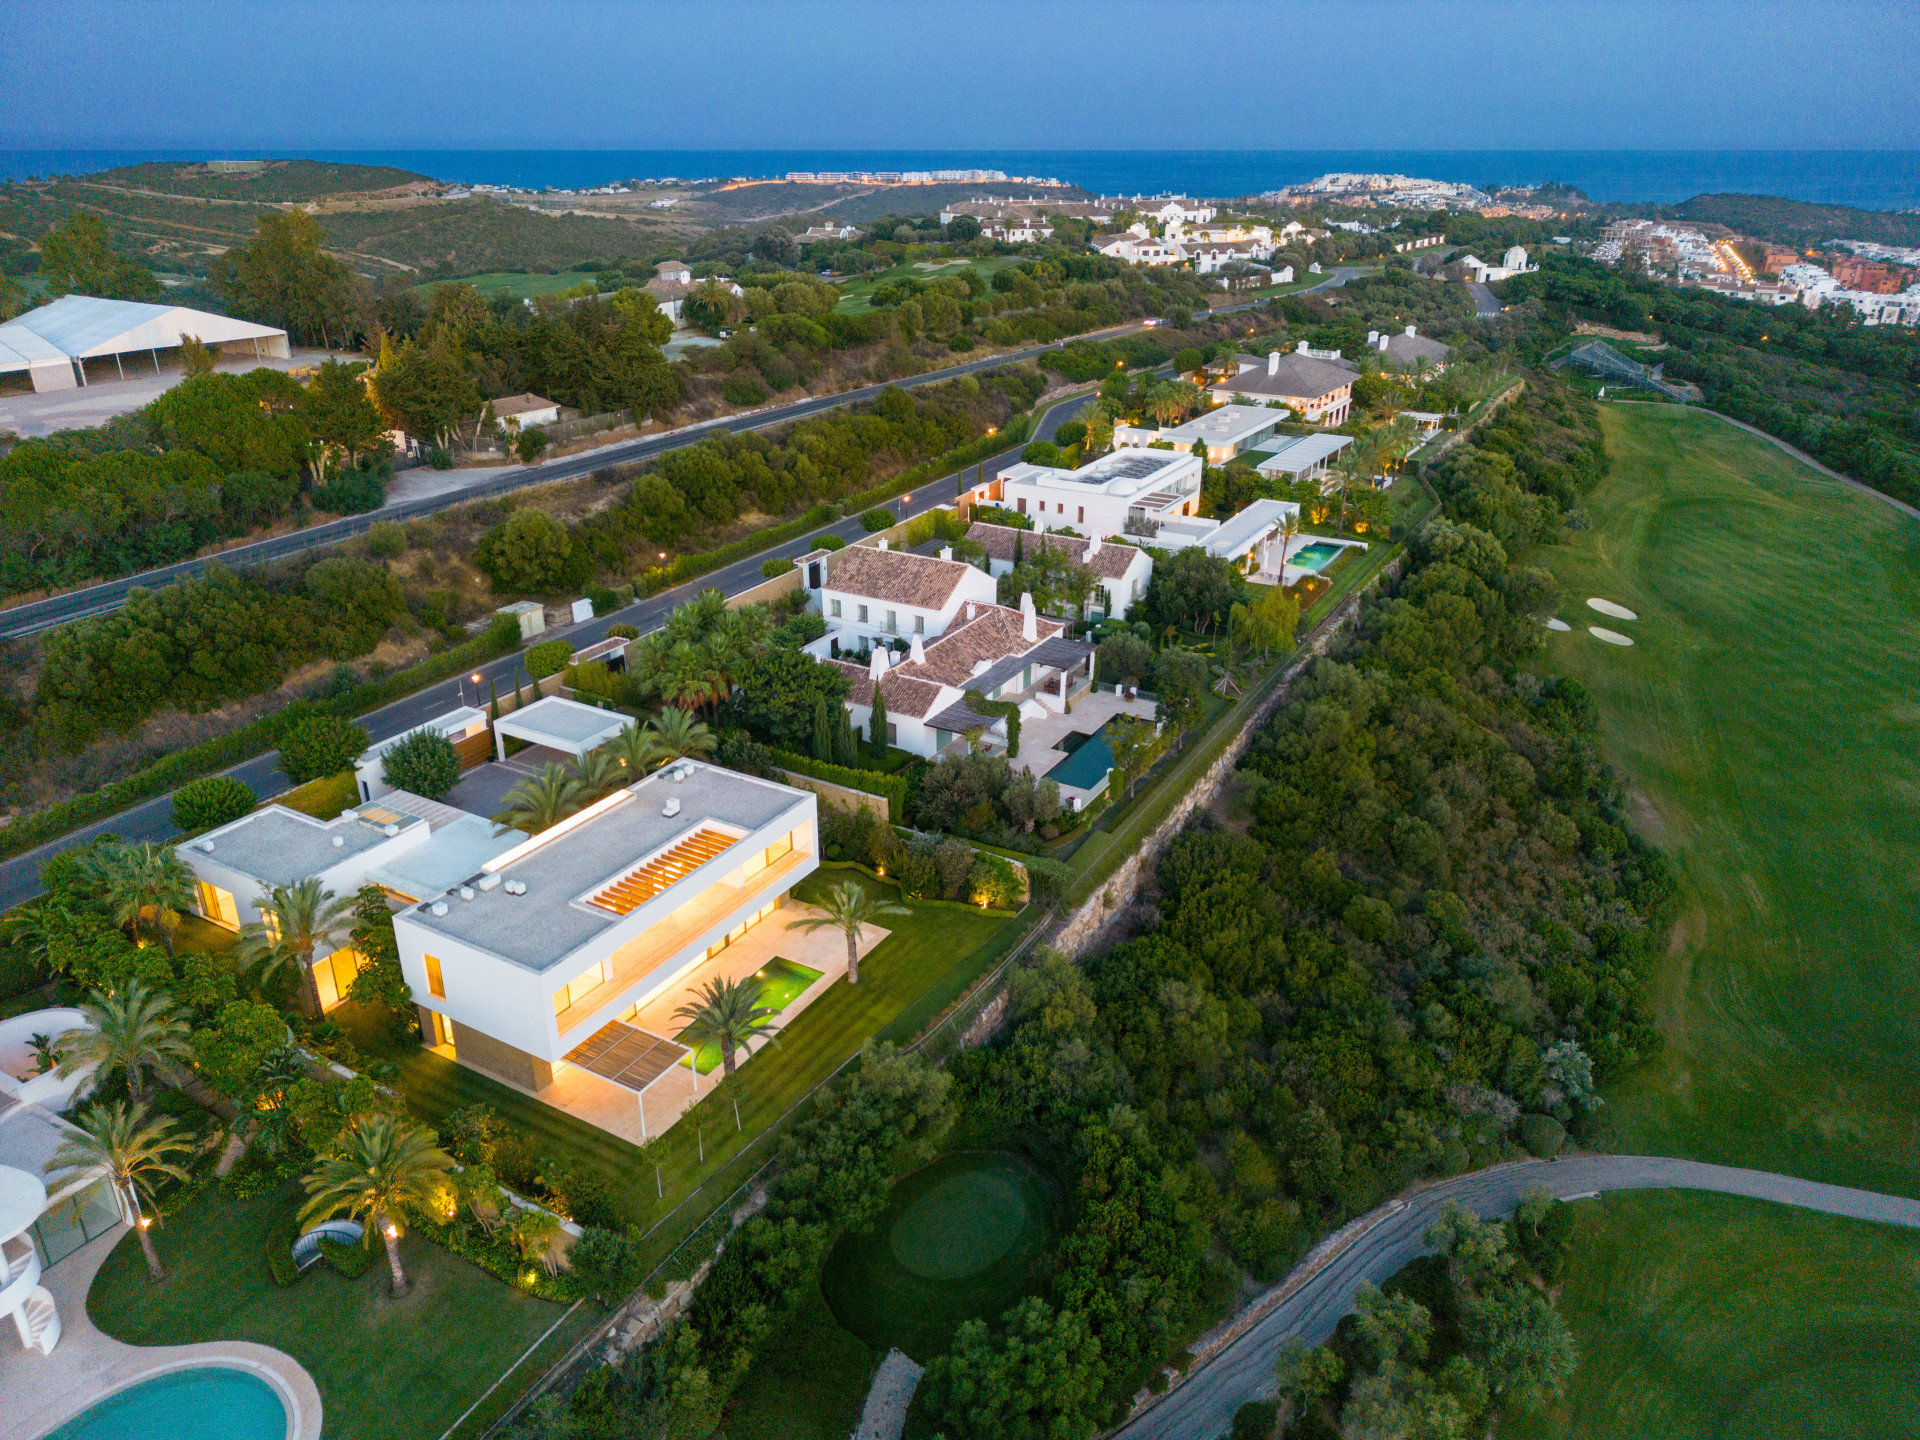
{"type": "Point", "coordinates": [637, 961]}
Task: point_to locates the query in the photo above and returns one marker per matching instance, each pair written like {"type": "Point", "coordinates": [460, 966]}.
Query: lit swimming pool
{"type": "Point", "coordinates": [1314, 558]}
{"type": "Point", "coordinates": [214, 1403]}
{"type": "Point", "coordinates": [1086, 764]}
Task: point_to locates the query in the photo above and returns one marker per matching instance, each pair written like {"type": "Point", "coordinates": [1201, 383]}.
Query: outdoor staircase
{"type": "Point", "coordinates": [39, 1321]}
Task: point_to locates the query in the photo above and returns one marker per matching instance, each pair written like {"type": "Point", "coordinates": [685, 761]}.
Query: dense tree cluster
{"type": "Point", "coordinates": [1522, 478]}
{"type": "Point", "coordinates": [1840, 390]}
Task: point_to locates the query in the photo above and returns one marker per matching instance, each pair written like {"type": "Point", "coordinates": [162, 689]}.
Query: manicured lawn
{"type": "Point", "coordinates": [1700, 1315]}
{"type": "Point", "coordinates": [854, 300]}
{"type": "Point", "coordinates": [387, 1369]}
{"type": "Point", "coordinates": [922, 955]}
{"type": "Point", "coordinates": [809, 1384]}
{"type": "Point", "coordinates": [1765, 721]}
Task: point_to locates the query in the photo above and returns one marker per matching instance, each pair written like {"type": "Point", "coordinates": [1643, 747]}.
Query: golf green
{"type": "Point", "coordinates": [961, 1240]}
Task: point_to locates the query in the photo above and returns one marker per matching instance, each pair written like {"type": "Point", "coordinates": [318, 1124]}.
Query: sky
{"type": "Point", "coordinates": [1006, 74]}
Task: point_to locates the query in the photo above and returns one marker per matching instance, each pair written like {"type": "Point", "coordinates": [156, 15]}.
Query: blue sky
{"type": "Point", "coordinates": [1052, 74]}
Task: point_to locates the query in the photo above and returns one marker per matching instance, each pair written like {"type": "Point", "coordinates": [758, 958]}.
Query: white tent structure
{"type": "Point", "coordinates": [54, 342]}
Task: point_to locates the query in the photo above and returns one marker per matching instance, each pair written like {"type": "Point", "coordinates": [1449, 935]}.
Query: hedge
{"type": "Point", "coordinates": [171, 771]}
{"type": "Point", "coordinates": [683, 568]}
{"type": "Point", "coordinates": [282, 1268]}
{"type": "Point", "coordinates": [351, 1261]}
{"type": "Point", "coordinates": [892, 788]}
{"type": "Point", "coordinates": [499, 1259]}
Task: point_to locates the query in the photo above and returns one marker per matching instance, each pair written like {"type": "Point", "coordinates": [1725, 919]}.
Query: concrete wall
{"type": "Point", "coordinates": [841, 797]}
{"type": "Point", "coordinates": [499, 1059]}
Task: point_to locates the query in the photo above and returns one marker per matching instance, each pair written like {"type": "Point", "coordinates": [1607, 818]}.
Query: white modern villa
{"type": "Point", "coordinates": [1129, 492]}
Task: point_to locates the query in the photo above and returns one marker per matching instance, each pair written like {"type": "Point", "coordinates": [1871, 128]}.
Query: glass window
{"type": "Point", "coordinates": [217, 905]}
{"type": "Point", "coordinates": [436, 982]}
{"type": "Point", "coordinates": [863, 614]}
{"type": "Point", "coordinates": [919, 624]}
{"type": "Point", "coordinates": [893, 623]}
{"type": "Point", "coordinates": [836, 608]}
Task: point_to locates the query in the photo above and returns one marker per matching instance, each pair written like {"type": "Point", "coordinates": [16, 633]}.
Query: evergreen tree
{"type": "Point", "coordinates": [822, 731]}
{"type": "Point", "coordinates": [846, 750]}
{"type": "Point", "coordinates": [493, 701]}
{"type": "Point", "coordinates": [877, 728]}
{"type": "Point", "coordinates": [518, 699]}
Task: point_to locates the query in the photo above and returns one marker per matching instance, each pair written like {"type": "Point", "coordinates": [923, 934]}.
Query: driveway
{"type": "Point", "coordinates": [1203, 1405]}
{"type": "Point", "coordinates": [1485, 301]}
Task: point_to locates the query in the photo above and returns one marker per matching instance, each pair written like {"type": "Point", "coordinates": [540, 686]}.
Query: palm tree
{"type": "Point", "coordinates": [1165, 404]}
{"type": "Point", "coordinates": [136, 1031]}
{"type": "Point", "coordinates": [131, 1156]}
{"type": "Point", "coordinates": [601, 774]}
{"type": "Point", "coordinates": [636, 750]}
{"type": "Point", "coordinates": [540, 801]}
{"type": "Point", "coordinates": [532, 1233]}
{"type": "Point", "coordinates": [728, 1013]}
{"type": "Point", "coordinates": [146, 876]}
{"type": "Point", "coordinates": [699, 617]}
{"type": "Point", "coordinates": [1289, 529]}
{"type": "Point", "coordinates": [380, 1171]}
{"type": "Point", "coordinates": [848, 907]}
{"type": "Point", "coordinates": [299, 919]}
{"type": "Point", "coordinates": [679, 734]}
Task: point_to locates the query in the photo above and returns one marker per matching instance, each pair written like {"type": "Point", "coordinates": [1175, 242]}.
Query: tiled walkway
{"type": "Point", "coordinates": [39, 1392]}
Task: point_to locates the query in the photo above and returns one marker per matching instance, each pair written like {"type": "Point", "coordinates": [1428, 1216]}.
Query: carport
{"type": "Point", "coordinates": [559, 724]}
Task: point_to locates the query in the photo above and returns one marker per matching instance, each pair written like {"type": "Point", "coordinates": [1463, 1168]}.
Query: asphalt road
{"type": "Point", "coordinates": [1485, 301]}
{"type": "Point", "coordinates": [1203, 1406]}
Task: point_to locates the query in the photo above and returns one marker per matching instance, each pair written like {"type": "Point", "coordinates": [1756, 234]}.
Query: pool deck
{"type": "Point", "coordinates": [1040, 736]}
{"type": "Point", "coordinates": [43, 1392]}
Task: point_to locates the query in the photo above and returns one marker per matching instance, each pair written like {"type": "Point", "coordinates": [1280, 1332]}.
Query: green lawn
{"type": "Point", "coordinates": [1764, 720]}
{"type": "Point", "coordinates": [853, 301]}
{"type": "Point", "coordinates": [1713, 1315]}
{"type": "Point", "coordinates": [919, 961]}
{"type": "Point", "coordinates": [387, 1369]}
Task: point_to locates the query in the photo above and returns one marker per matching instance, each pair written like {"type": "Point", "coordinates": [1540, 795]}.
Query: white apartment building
{"type": "Point", "coordinates": [1110, 496]}
{"type": "Point", "coordinates": [545, 956]}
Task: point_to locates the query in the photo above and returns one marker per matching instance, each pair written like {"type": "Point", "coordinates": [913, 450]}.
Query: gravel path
{"type": "Point", "coordinates": [884, 1415]}
{"type": "Point", "coordinates": [1203, 1406]}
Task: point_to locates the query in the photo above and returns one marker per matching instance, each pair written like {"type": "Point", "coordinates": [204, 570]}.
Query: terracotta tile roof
{"type": "Point", "coordinates": [993, 634]}
{"type": "Point", "coordinates": [905, 695]}
{"type": "Point", "coordinates": [897, 576]}
{"type": "Point", "coordinates": [1109, 564]}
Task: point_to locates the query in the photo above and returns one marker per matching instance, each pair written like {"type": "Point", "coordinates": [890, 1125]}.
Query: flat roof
{"type": "Point", "coordinates": [278, 846]}
{"type": "Point", "coordinates": [1224, 425]}
{"type": "Point", "coordinates": [1302, 452]}
{"type": "Point", "coordinates": [453, 853]}
{"type": "Point", "coordinates": [553, 919]}
{"type": "Point", "coordinates": [1238, 535]}
{"type": "Point", "coordinates": [82, 325]}
{"type": "Point", "coordinates": [563, 724]}
{"type": "Point", "coordinates": [1124, 472]}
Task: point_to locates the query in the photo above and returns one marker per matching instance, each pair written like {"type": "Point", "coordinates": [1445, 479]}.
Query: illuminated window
{"type": "Point", "coordinates": [217, 905]}
{"type": "Point", "coordinates": [436, 982]}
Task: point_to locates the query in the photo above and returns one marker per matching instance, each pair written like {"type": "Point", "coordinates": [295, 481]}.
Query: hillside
{"type": "Point", "coordinates": [1794, 222]}
{"type": "Point", "coordinates": [278, 183]}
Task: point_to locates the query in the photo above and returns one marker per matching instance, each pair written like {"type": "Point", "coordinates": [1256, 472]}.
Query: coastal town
{"type": "Point", "coordinates": [733, 806]}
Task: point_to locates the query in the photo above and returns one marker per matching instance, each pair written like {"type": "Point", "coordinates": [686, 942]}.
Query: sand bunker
{"type": "Point", "coordinates": [1612, 637]}
{"type": "Point", "coordinates": [1552, 624]}
{"type": "Point", "coordinates": [1607, 607]}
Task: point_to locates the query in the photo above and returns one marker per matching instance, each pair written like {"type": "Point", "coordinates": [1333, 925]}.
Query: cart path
{"type": "Point", "coordinates": [1380, 1243]}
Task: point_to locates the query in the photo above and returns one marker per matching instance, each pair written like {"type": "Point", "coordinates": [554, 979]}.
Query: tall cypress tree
{"type": "Point", "coordinates": [518, 699]}
{"type": "Point", "coordinates": [493, 700]}
{"type": "Point", "coordinates": [877, 727]}
{"type": "Point", "coordinates": [849, 754]}
{"type": "Point", "coordinates": [822, 731]}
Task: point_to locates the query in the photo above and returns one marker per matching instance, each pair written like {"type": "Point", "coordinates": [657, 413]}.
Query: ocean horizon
{"type": "Point", "coordinates": [1865, 179]}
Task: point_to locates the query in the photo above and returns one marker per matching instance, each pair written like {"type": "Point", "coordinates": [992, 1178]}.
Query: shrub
{"type": "Point", "coordinates": [212, 802]}
{"type": "Point", "coordinates": [993, 880]}
{"type": "Point", "coordinates": [281, 1266]}
{"type": "Point", "coordinates": [1543, 1136]}
{"type": "Point", "coordinates": [531, 551]}
{"type": "Point", "coordinates": [776, 567]}
{"type": "Point", "coordinates": [439, 457]}
{"type": "Point", "coordinates": [743, 388]}
{"type": "Point", "coordinates": [549, 657]}
{"type": "Point", "coordinates": [323, 745]}
{"type": "Point", "coordinates": [1046, 879]}
{"type": "Point", "coordinates": [424, 763]}
{"type": "Point", "coordinates": [604, 1263]}
{"type": "Point", "coordinates": [387, 539]}
{"type": "Point", "coordinates": [1070, 433]}
{"type": "Point", "coordinates": [1041, 452]}
{"type": "Point", "coordinates": [830, 542]}
{"type": "Point", "coordinates": [623, 631]}
{"type": "Point", "coordinates": [529, 444]}
{"type": "Point", "coordinates": [877, 519]}
{"type": "Point", "coordinates": [354, 493]}
{"type": "Point", "coordinates": [351, 1261]}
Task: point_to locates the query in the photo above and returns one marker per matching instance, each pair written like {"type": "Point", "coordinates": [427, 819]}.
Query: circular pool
{"type": "Point", "coordinates": [205, 1403]}
{"type": "Point", "coordinates": [960, 1240]}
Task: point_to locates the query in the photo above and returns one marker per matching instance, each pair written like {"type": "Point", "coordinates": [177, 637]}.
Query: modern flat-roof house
{"type": "Point", "coordinates": [1303, 457]}
{"type": "Point", "coordinates": [1122, 570]}
{"type": "Point", "coordinates": [1320, 390]}
{"type": "Point", "coordinates": [874, 594]}
{"type": "Point", "coordinates": [1227, 431]}
{"type": "Point", "coordinates": [54, 342]}
{"type": "Point", "coordinates": [1119, 494]}
{"type": "Point", "coordinates": [547, 955]}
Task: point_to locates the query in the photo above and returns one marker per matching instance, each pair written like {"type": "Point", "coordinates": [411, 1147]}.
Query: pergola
{"type": "Point", "coordinates": [633, 1059]}
{"type": "Point", "coordinates": [559, 724]}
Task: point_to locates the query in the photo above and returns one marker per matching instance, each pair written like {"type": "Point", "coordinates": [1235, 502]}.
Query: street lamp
{"type": "Point", "coordinates": [905, 500]}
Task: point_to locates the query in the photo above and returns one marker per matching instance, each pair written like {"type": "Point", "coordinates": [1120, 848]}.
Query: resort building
{"type": "Point", "coordinates": [1130, 492]}
{"type": "Point", "coordinates": [1122, 570]}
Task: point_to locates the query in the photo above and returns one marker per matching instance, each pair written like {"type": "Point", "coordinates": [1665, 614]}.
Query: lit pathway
{"type": "Point", "coordinates": [1311, 1301]}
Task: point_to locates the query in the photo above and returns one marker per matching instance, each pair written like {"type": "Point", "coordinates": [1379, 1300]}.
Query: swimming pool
{"type": "Point", "coordinates": [1314, 558]}
{"type": "Point", "coordinates": [782, 981]}
{"type": "Point", "coordinates": [1086, 764]}
{"type": "Point", "coordinates": [214, 1403]}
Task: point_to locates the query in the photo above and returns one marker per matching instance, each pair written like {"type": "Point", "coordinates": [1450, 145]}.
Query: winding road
{"type": "Point", "coordinates": [1321, 1291]}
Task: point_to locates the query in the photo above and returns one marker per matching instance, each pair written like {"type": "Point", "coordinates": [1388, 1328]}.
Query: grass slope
{"type": "Point", "coordinates": [387, 1369]}
{"type": "Point", "coordinates": [1713, 1315]}
{"type": "Point", "coordinates": [1765, 720]}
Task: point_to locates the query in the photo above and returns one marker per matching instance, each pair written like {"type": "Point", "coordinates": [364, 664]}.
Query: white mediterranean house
{"type": "Point", "coordinates": [1319, 389]}
{"type": "Point", "coordinates": [1129, 492]}
{"type": "Point", "coordinates": [872, 595]}
{"type": "Point", "coordinates": [1123, 571]}
{"type": "Point", "coordinates": [1408, 349]}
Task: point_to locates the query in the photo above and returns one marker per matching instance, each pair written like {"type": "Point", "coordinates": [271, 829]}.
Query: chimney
{"type": "Point", "coordinates": [1373, 336]}
{"type": "Point", "coordinates": [1383, 343]}
{"type": "Point", "coordinates": [1409, 332]}
{"type": "Point", "coordinates": [877, 666]}
{"type": "Point", "coordinates": [1029, 618]}
{"type": "Point", "coordinates": [883, 542]}
{"type": "Point", "coordinates": [917, 652]}
{"type": "Point", "coordinates": [969, 609]}
{"type": "Point", "coordinates": [1093, 546]}
{"type": "Point", "coordinates": [946, 552]}
{"type": "Point", "coordinates": [1300, 349]}
{"type": "Point", "coordinates": [1273, 360]}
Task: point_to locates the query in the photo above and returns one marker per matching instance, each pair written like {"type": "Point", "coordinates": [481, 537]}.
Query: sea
{"type": "Point", "coordinates": [1866, 179]}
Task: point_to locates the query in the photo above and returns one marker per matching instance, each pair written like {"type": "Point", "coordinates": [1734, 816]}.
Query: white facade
{"type": "Point", "coordinates": [1227, 431]}
{"type": "Point", "coordinates": [369, 770]}
{"type": "Point", "coordinates": [871, 594]}
{"type": "Point", "coordinates": [1100, 498]}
